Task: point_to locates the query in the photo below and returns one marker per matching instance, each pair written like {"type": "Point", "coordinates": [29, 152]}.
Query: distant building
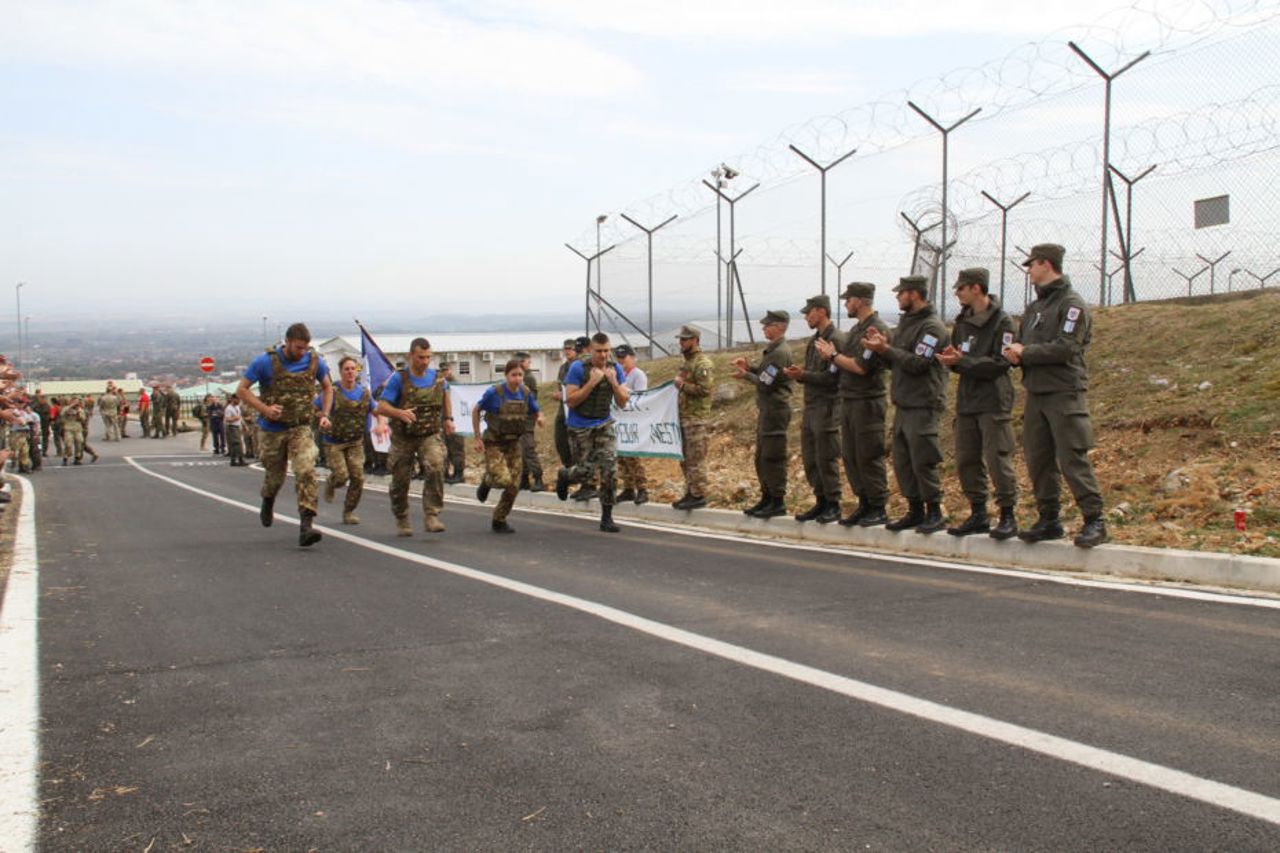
{"type": "Point", "coordinates": [477, 356]}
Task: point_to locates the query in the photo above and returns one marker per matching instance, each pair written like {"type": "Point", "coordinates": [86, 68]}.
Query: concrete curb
{"type": "Point", "coordinates": [1210, 568]}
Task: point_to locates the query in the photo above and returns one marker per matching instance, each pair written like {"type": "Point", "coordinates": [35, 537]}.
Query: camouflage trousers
{"type": "Point", "coordinates": [427, 449]}
{"type": "Point", "coordinates": [346, 466]}
{"type": "Point", "coordinates": [631, 473]}
{"type": "Point", "coordinates": [110, 427]}
{"type": "Point", "coordinates": [694, 464]}
{"type": "Point", "coordinates": [595, 451]}
{"type": "Point", "coordinates": [21, 448]}
{"type": "Point", "coordinates": [503, 462]}
{"type": "Point", "coordinates": [290, 447]}
{"type": "Point", "coordinates": [72, 441]}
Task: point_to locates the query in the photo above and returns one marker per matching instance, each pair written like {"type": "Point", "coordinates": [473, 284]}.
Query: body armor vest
{"type": "Point", "coordinates": [293, 392]}
{"type": "Point", "coordinates": [509, 422]}
{"type": "Point", "coordinates": [426, 403]}
{"type": "Point", "coordinates": [596, 406]}
{"type": "Point", "coordinates": [349, 418]}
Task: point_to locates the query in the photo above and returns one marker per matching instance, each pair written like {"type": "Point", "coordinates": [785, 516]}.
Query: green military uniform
{"type": "Point", "coordinates": [249, 432]}
{"type": "Point", "coordinates": [344, 451]}
{"type": "Point", "coordinates": [109, 412]}
{"type": "Point", "coordinates": [157, 412]}
{"type": "Point", "coordinates": [419, 442]}
{"type": "Point", "coordinates": [919, 392]}
{"type": "Point", "coordinates": [773, 412]}
{"type": "Point", "coordinates": [1056, 431]}
{"type": "Point", "coordinates": [294, 392]}
{"type": "Point", "coordinates": [697, 376]}
{"type": "Point", "coordinates": [864, 411]}
{"type": "Point", "coordinates": [503, 453]}
{"type": "Point", "coordinates": [984, 401]}
{"type": "Point", "coordinates": [41, 407]}
{"type": "Point", "coordinates": [172, 406]}
{"type": "Point", "coordinates": [86, 415]}
{"type": "Point", "coordinates": [72, 431]}
{"type": "Point", "coordinates": [819, 424]}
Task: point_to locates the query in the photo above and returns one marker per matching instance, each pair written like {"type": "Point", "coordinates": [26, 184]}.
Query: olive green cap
{"type": "Point", "coordinates": [775, 316]}
{"type": "Point", "coordinates": [819, 301]}
{"type": "Point", "coordinates": [860, 289]}
{"type": "Point", "coordinates": [912, 282]}
{"type": "Point", "coordinates": [1050, 252]}
{"type": "Point", "coordinates": [974, 275]}
{"type": "Point", "coordinates": [687, 332]}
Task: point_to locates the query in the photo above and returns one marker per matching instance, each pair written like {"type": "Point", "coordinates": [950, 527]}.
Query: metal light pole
{"type": "Point", "coordinates": [1189, 278]}
{"type": "Point", "coordinates": [1004, 231]}
{"type": "Point", "coordinates": [733, 261]}
{"type": "Point", "coordinates": [649, 234]}
{"type": "Point", "coordinates": [1107, 188]}
{"type": "Point", "coordinates": [1213, 268]}
{"type": "Point", "coordinates": [1231, 278]}
{"type": "Point", "coordinates": [941, 280]}
{"type": "Point", "coordinates": [586, 323]}
{"type": "Point", "coordinates": [1126, 239]}
{"type": "Point", "coordinates": [822, 171]}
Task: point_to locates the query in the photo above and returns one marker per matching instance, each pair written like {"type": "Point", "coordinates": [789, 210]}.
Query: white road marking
{"type": "Point", "coordinates": [20, 686]}
{"type": "Point", "coordinates": [1168, 779]}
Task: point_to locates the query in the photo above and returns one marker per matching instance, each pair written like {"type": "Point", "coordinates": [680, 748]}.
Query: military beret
{"type": "Point", "coordinates": [687, 332]}
{"type": "Point", "coordinates": [974, 275]}
{"type": "Point", "coordinates": [912, 282]}
{"type": "Point", "coordinates": [522, 355]}
{"type": "Point", "coordinates": [775, 316]}
{"type": "Point", "coordinates": [819, 301]}
{"type": "Point", "coordinates": [623, 350]}
{"type": "Point", "coordinates": [1050, 252]}
{"type": "Point", "coordinates": [860, 289]}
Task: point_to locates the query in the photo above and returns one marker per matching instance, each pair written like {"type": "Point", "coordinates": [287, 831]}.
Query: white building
{"type": "Point", "coordinates": [477, 356]}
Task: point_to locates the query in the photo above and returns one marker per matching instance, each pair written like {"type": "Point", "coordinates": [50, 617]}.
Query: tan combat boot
{"type": "Point", "coordinates": [350, 517]}
{"type": "Point", "coordinates": [433, 523]}
{"type": "Point", "coordinates": [403, 528]}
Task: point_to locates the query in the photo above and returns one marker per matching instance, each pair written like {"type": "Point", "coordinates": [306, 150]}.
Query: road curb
{"type": "Point", "coordinates": [1127, 561]}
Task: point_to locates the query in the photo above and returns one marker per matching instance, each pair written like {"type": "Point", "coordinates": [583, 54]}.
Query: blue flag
{"type": "Point", "coordinates": [377, 369]}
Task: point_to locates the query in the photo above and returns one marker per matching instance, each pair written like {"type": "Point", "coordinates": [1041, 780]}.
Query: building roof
{"type": "Point", "coordinates": [58, 387]}
{"type": "Point", "coordinates": [457, 342]}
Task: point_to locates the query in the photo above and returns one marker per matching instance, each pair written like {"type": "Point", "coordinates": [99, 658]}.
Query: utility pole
{"type": "Point", "coordinates": [1126, 239]}
{"type": "Point", "coordinates": [1004, 231]}
{"type": "Point", "coordinates": [839, 273]}
{"type": "Point", "coordinates": [586, 323]}
{"type": "Point", "coordinates": [733, 260]}
{"type": "Point", "coordinates": [1213, 268]}
{"type": "Point", "coordinates": [648, 232]}
{"type": "Point", "coordinates": [822, 171]}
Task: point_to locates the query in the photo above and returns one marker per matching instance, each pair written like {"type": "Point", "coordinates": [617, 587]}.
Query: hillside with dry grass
{"type": "Point", "coordinates": [1185, 397]}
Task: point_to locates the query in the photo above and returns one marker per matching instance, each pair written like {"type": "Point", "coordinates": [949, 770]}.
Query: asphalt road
{"type": "Point", "coordinates": [208, 685]}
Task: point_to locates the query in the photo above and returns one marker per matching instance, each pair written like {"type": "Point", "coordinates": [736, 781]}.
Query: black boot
{"type": "Point", "coordinates": [875, 516]}
{"type": "Point", "coordinates": [1047, 526]}
{"type": "Point", "coordinates": [933, 519]}
{"type": "Point", "coordinates": [627, 494]}
{"type": "Point", "coordinates": [501, 527]}
{"type": "Point", "coordinates": [606, 520]}
{"type": "Point", "coordinates": [681, 501]}
{"type": "Point", "coordinates": [830, 513]}
{"type": "Point", "coordinates": [1093, 533]}
{"type": "Point", "coordinates": [537, 486]}
{"type": "Point", "coordinates": [482, 491]}
{"type": "Point", "coordinates": [758, 505]}
{"type": "Point", "coordinates": [859, 513]}
{"type": "Point", "coordinates": [915, 515]}
{"type": "Point", "coordinates": [977, 522]}
{"type": "Point", "coordinates": [642, 497]}
{"type": "Point", "coordinates": [812, 512]}
{"type": "Point", "coordinates": [267, 514]}
{"type": "Point", "coordinates": [562, 484]}
{"type": "Point", "coordinates": [690, 502]}
{"type": "Point", "coordinates": [774, 508]}
{"type": "Point", "coordinates": [1007, 526]}
{"type": "Point", "coordinates": [306, 534]}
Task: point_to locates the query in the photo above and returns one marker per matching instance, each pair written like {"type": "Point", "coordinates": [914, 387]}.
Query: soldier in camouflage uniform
{"type": "Point", "coordinates": [248, 432]}
{"type": "Point", "coordinates": [532, 476]}
{"type": "Point", "coordinates": [416, 401]}
{"type": "Point", "coordinates": [863, 407]}
{"type": "Point", "coordinates": [109, 412]}
{"type": "Point", "coordinates": [71, 429]}
{"type": "Point", "coordinates": [287, 377]}
{"type": "Point", "coordinates": [42, 408]}
{"type": "Point", "coordinates": [694, 383]}
{"type": "Point", "coordinates": [508, 407]}
{"type": "Point", "coordinates": [773, 415]}
{"type": "Point", "coordinates": [591, 387]}
{"type": "Point", "coordinates": [919, 394]}
{"type": "Point", "coordinates": [172, 407]}
{"type": "Point", "coordinates": [820, 428]}
{"type": "Point", "coordinates": [157, 411]}
{"type": "Point", "coordinates": [86, 416]}
{"type": "Point", "coordinates": [344, 440]}
{"type": "Point", "coordinates": [1056, 431]}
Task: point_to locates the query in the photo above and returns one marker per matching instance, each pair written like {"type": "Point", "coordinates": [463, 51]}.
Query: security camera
{"type": "Point", "coordinates": [601, 218]}
{"type": "Point", "coordinates": [729, 171]}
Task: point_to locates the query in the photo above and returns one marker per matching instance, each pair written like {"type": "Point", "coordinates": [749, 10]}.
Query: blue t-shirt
{"type": "Point", "coordinates": [395, 385]}
{"type": "Point", "coordinates": [261, 371]}
{"type": "Point", "coordinates": [354, 396]}
{"type": "Point", "coordinates": [490, 401]}
{"type": "Point", "coordinates": [579, 373]}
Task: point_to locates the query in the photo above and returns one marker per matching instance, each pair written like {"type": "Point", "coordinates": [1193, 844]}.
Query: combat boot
{"type": "Point", "coordinates": [537, 486]}
{"type": "Point", "coordinates": [642, 497]}
{"type": "Point", "coordinates": [875, 516]}
{"type": "Point", "coordinates": [266, 514]}
{"type": "Point", "coordinates": [812, 512]}
{"type": "Point", "coordinates": [695, 502]}
{"type": "Point", "coordinates": [501, 527]}
{"type": "Point", "coordinates": [1047, 526]}
{"type": "Point", "coordinates": [977, 522]}
{"type": "Point", "coordinates": [830, 513]}
{"type": "Point", "coordinates": [758, 505]}
{"type": "Point", "coordinates": [586, 493]}
{"type": "Point", "coordinates": [482, 491]}
{"type": "Point", "coordinates": [562, 484]}
{"type": "Point", "coordinates": [606, 520]}
{"type": "Point", "coordinates": [679, 503]}
{"type": "Point", "coordinates": [1093, 533]}
{"type": "Point", "coordinates": [859, 513]}
{"type": "Point", "coordinates": [627, 494]}
{"type": "Point", "coordinates": [403, 527]}
{"type": "Point", "coordinates": [915, 515]}
{"type": "Point", "coordinates": [432, 524]}
{"type": "Point", "coordinates": [774, 508]}
{"type": "Point", "coordinates": [350, 517]}
{"type": "Point", "coordinates": [1007, 526]}
{"type": "Point", "coordinates": [933, 520]}
{"type": "Point", "coordinates": [306, 534]}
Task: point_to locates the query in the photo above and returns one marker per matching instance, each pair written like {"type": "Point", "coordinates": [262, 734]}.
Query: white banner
{"type": "Point", "coordinates": [464, 398]}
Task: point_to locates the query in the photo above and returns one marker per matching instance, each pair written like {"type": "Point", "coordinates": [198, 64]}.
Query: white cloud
{"type": "Point", "coordinates": [396, 43]}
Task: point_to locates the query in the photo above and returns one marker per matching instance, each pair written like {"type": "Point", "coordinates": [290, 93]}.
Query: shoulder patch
{"type": "Point", "coordinates": [1073, 313]}
{"type": "Point", "coordinates": [1006, 338]}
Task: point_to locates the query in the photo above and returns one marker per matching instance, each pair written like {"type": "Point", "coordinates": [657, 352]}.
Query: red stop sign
{"type": "Point", "coordinates": [206, 364]}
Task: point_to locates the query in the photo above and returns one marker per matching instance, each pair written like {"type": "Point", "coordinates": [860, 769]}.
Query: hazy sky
{"type": "Point", "coordinates": [263, 156]}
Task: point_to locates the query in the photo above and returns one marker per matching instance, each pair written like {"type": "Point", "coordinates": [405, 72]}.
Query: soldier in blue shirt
{"type": "Point", "coordinates": [590, 388]}
{"type": "Point", "coordinates": [509, 408]}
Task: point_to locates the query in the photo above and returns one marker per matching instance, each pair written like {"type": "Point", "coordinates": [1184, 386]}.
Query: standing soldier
{"type": "Point", "coordinates": [508, 408]}
{"type": "Point", "coordinates": [172, 407]}
{"type": "Point", "coordinates": [248, 431]}
{"type": "Point", "coordinates": [820, 429]}
{"type": "Point", "coordinates": [157, 411]}
{"type": "Point", "coordinates": [919, 394]}
{"type": "Point", "coordinates": [455, 446]}
{"type": "Point", "coordinates": [72, 430]}
{"type": "Point", "coordinates": [863, 408]}
{"type": "Point", "coordinates": [590, 388]}
{"type": "Point", "coordinates": [1056, 432]}
{"type": "Point", "coordinates": [200, 411]}
{"type": "Point", "coordinates": [56, 405]}
{"type": "Point", "coordinates": [773, 416]}
{"type": "Point", "coordinates": [984, 404]}
{"type": "Point", "coordinates": [344, 440]}
{"type": "Point", "coordinates": [42, 408]}
{"type": "Point", "coordinates": [109, 412]}
{"type": "Point", "coordinates": [20, 435]}
{"type": "Point", "coordinates": [694, 383]}
{"type": "Point", "coordinates": [631, 468]}
{"type": "Point", "coordinates": [532, 473]}
{"type": "Point", "coordinates": [416, 401]}
{"type": "Point", "coordinates": [234, 419]}
{"type": "Point", "coordinates": [123, 412]}
{"type": "Point", "coordinates": [287, 376]}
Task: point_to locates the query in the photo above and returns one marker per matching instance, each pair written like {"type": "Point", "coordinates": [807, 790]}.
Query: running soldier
{"type": "Point", "coordinates": [531, 477]}
{"type": "Point", "coordinates": [344, 440]}
{"type": "Point", "coordinates": [507, 408]}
